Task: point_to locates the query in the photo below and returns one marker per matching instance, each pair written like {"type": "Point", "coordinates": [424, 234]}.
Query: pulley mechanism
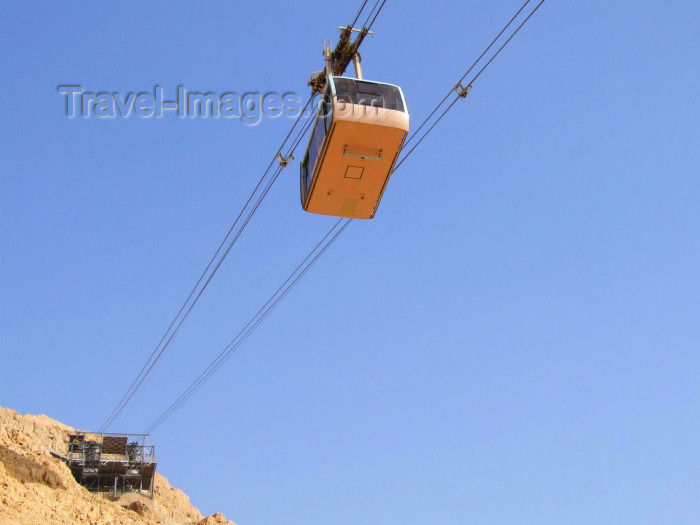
{"type": "Point", "coordinates": [338, 59]}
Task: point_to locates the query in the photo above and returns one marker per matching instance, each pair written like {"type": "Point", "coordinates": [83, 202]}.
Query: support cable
{"type": "Point", "coordinates": [323, 245]}
{"type": "Point", "coordinates": [468, 71]}
{"type": "Point", "coordinates": [231, 238]}
{"type": "Point", "coordinates": [208, 273]}
{"type": "Point", "coordinates": [359, 11]}
{"type": "Point", "coordinates": [463, 91]}
{"type": "Point", "coordinates": [255, 321]}
{"type": "Point", "coordinates": [375, 16]}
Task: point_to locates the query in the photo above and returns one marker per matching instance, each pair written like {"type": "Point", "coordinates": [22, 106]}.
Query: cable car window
{"type": "Point", "coordinates": [345, 90]}
{"type": "Point", "coordinates": [374, 101]}
{"type": "Point", "coordinates": [368, 88]}
{"type": "Point", "coordinates": [369, 94]}
{"type": "Point", "coordinates": [323, 106]}
{"type": "Point", "coordinates": [392, 97]}
{"type": "Point", "coordinates": [316, 146]}
{"type": "Point", "coordinates": [353, 91]}
{"type": "Point", "coordinates": [310, 161]}
{"type": "Point", "coordinates": [328, 114]}
{"type": "Point", "coordinates": [305, 168]}
{"type": "Point", "coordinates": [344, 86]}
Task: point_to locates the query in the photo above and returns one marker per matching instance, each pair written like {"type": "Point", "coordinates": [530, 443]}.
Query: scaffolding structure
{"type": "Point", "coordinates": [112, 463]}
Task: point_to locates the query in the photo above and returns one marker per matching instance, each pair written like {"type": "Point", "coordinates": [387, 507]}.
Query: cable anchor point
{"type": "Point", "coordinates": [353, 30]}
{"type": "Point", "coordinates": [462, 91]}
{"type": "Point", "coordinates": [284, 160]}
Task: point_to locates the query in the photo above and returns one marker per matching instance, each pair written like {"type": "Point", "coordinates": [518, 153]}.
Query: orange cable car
{"type": "Point", "coordinates": [357, 136]}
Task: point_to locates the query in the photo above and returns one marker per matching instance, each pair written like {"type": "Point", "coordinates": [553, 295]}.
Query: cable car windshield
{"type": "Point", "coordinates": [354, 91]}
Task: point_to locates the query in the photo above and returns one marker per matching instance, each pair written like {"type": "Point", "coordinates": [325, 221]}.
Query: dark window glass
{"type": "Point", "coordinates": [344, 86]}
{"type": "Point", "coordinates": [351, 91]}
{"type": "Point", "coordinates": [315, 148]}
{"type": "Point", "coordinates": [368, 88]}
{"type": "Point", "coordinates": [310, 161]}
{"type": "Point", "coordinates": [305, 171]}
{"type": "Point", "coordinates": [392, 97]}
{"type": "Point", "coordinates": [329, 112]}
{"type": "Point", "coordinates": [346, 98]}
{"type": "Point", "coordinates": [369, 94]}
{"type": "Point", "coordinates": [345, 90]}
{"type": "Point", "coordinates": [370, 100]}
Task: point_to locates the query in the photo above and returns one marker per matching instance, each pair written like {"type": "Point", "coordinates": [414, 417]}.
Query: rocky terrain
{"type": "Point", "coordinates": [37, 488]}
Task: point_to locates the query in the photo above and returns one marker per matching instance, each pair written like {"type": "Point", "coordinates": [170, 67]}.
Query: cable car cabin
{"type": "Point", "coordinates": [357, 136]}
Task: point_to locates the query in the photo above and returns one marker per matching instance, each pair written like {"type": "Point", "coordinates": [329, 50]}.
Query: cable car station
{"type": "Point", "coordinates": [111, 463]}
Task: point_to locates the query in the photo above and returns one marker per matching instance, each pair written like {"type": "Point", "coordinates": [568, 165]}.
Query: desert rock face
{"type": "Point", "coordinates": [37, 488]}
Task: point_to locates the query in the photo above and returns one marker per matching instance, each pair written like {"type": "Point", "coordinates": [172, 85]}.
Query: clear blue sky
{"type": "Point", "coordinates": [513, 339]}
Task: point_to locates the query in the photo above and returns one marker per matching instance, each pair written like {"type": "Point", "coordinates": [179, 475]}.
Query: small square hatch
{"type": "Point", "coordinates": [354, 172]}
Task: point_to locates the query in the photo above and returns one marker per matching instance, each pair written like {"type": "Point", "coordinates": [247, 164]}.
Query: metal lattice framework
{"type": "Point", "coordinates": [112, 463]}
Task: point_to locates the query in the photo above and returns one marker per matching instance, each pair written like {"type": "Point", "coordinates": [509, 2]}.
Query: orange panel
{"type": "Point", "coordinates": [356, 165]}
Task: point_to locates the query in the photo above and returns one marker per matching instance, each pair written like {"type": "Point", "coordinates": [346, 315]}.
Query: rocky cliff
{"type": "Point", "coordinates": [37, 488]}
